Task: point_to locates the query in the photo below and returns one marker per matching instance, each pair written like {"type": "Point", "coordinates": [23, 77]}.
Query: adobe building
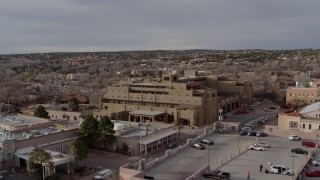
{"type": "Point", "coordinates": [304, 123]}
{"type": "Point", "coordinates": [302, 96]}
{"type": "Point", "coordinates": [190, 100]}
{"type": "Point", "coordinates": [19, 134]}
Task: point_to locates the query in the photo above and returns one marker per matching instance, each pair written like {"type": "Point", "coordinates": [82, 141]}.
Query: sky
{"type": "Point", "coordinates": [36, 26]}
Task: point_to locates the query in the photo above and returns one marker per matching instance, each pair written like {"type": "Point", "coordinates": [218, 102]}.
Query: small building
{"type": "Point", "coordinates": [19, 134]}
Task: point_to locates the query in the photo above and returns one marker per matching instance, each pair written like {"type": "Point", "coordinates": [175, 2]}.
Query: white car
{"type": "Point", "coordinates": [294, 138]}
{"type": "Point", "coordinates": [316, 162]}
{"type": "Point", "coordinates": [281, 169]}
{"type": "Point", "coordinates": [257, 148]}
{"type": "Point", "coordinates": [262, 144]}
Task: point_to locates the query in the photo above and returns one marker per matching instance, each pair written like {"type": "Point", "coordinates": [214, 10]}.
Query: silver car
{"type": "Point", "coordinates": [262, 144]}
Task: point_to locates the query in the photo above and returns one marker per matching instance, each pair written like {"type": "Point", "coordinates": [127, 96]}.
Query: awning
{"type": "Point", "coordinates": [145, 113]}
{"type": "Point", "coordinates": [151, 139]}
{"type": "Point", "coordinates": [57, 157]}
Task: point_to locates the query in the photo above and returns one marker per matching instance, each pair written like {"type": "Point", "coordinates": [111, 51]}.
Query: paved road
{"type": "Point", "coordinates": [190, 160]}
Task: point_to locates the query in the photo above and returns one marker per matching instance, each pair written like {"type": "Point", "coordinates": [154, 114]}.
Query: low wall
{"type": "Point", "coordinates": [198, 174]}
{"type": "Point", "coordinates": [273, 130]}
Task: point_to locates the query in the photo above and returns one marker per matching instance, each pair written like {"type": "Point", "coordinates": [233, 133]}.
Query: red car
{"type": "Point", "coordinates": [314, 173]}
{"type": "Point", "coordinates": [308, 144]}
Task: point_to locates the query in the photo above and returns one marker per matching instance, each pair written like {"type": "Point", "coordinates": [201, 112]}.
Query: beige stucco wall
{"type": "Point", "coordinates": [63, 115]}
{"type": "Point", "coordinates": [302, 96]}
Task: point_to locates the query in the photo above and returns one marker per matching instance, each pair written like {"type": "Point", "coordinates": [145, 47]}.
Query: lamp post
{"type": "Point", "coordinates": [209, 155]}
{"type": "Point", "coordinates": [293, 156]}
{"type": "Point", "coordinates": [238, 143]}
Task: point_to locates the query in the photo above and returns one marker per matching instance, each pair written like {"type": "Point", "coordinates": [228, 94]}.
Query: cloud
{"type": "Point", "coordinates": [95, 25]}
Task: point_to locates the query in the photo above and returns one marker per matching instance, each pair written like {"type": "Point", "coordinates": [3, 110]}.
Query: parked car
{"type": "Point", "coordinates": [262, 144]}
{"type": "Point", "coordinates": [257, 148]}
{"type": "Point", "coordinates": [243, 133]}
{"type": "Point", "coordinates": [103, 174]}
{"type": "Point", "coordinates": [316, 162]}
{"type": "Point", "coordinates": [252, 133]}
{"type": "Point", "coordinates": [207, 141]}
{"type": "Point", "coordinates": [308, 143]}
{"type": "Point", "coordinates": [216, 174]}
{"type": "Point", "coordinates": [198, 146]}
{"type": "Point", "coordinates": [171, 144]}
{"type": "Point", "coordinates": [281, 169]}
{"type": "Point", "coordinates": [299, 151]}
{"type": "Point", "coordinates": [148, 177]}
{"type": "Point", "coordinates": [313, 173]}
{"type": "Point", "coordinates": [262, 134]}
{"type": "Point", "coordinates": [294, 138]}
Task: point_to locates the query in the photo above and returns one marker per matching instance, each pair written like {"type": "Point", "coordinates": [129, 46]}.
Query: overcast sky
{"type": "Point", "coordinates": [116, 25]}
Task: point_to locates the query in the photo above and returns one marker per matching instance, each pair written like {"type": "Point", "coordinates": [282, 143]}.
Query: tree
{"type": "Point", "coordinates": [88, 130]}
{"type": "Point", "coordinates": [38, 158]}
{"type": "Point", "coordinates": [41, 112]}
{"type": "Point", "coordinates": [105, 131]}
{"type": "Point", "coordinates": [77, 151]}
{"type": "Point", "coordinates": [74, 104]}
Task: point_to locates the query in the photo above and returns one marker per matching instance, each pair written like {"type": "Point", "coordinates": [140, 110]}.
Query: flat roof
{"type": "Point", "coordinates": [19, 119]}
{"type": "Point", "coordinates": [146, 112]}
{"type": "Point", "coordinates": [57, 157]}
{"type": "Point", "coordinates": [157, 137]}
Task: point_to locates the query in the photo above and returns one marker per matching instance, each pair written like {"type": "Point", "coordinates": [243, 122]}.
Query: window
{"type": "Point", "coordinates": [61, 148]}
{"type": "Point", "coordinates": [74, 118]}
{"type": "Point", "coordinates": [106, 107]}
{"type": "Point", "coordinates": [9, 155]}
{"type": "Point", "coordinates": [293, 124]}
{"type": "Point", "coordinates": [319, 127]}
{"type": "Point", "coordinates": [290, 94]}
{"type": "Point", "coordinates": [310, 125]}
{"type": "Point", "coordinates": [303, 126]}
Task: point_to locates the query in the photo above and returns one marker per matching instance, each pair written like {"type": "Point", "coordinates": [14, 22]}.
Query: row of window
{"type": "Point", "coordinates": [307, 95]}
{"type": "Point", "coordinates": [305, 100]}
{"type": "Point", "coordinates": [310, 126]}
{"type": "Point", "coordinates": [295, 125]}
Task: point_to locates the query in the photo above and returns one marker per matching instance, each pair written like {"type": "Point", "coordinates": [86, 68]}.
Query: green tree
{"type": "Point", "coordinates": [41, 112]}
{"type": "Point", "coordinates": [88, 130]}
{"type": "Point", "coordinates": [37, 158]}
{"type": "Point", "coordinates": [105, 131]}
{"type": "Point", "coordinates": [77, 151]}
{"type": "Point", "coordinates": [74, 104]}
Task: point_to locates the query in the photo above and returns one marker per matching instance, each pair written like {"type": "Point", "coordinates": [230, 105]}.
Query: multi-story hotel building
{"type": "Point", "coordinates": [190, 100]}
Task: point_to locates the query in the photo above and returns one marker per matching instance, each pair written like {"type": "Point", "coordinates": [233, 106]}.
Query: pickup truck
{"type": "Point", "coordinates": [216, 174]}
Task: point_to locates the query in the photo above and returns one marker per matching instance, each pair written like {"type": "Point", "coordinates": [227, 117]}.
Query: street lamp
{"type": "Point", "coordinates": [209, 155]}
{"type": "Point", "coordinates": [293, 156]}
{"type": "Point", "coordinates": [238, 143]}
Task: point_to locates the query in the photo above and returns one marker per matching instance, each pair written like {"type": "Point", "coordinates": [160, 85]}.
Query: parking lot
{"type": "Point", "coordinates": [279, 154]}
{"type": "Point", "coordinates": [185, 163]}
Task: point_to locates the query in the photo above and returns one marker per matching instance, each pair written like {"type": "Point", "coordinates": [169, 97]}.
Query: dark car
{"type": "Point", "coordinates": [198, 146]}
{"type": "Point", "coordinates": [314, 173]}
{"type": "Point", "coordinates": [171, 144]}
{"type": "Point", "coordinates": [299, 151]}
{"type": "Point", "coordinates": [262, 134]}
{"type": "Point", "coordinates": [252, 133]}
{"type": "Point", "coordinates": [308, 143]}
{"type": "Point", "coordinates": [243, 133]}
{"type": "Point", "coordinates": [207, 141]}
{"type": "Point", "coordinates": [216, 174]}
